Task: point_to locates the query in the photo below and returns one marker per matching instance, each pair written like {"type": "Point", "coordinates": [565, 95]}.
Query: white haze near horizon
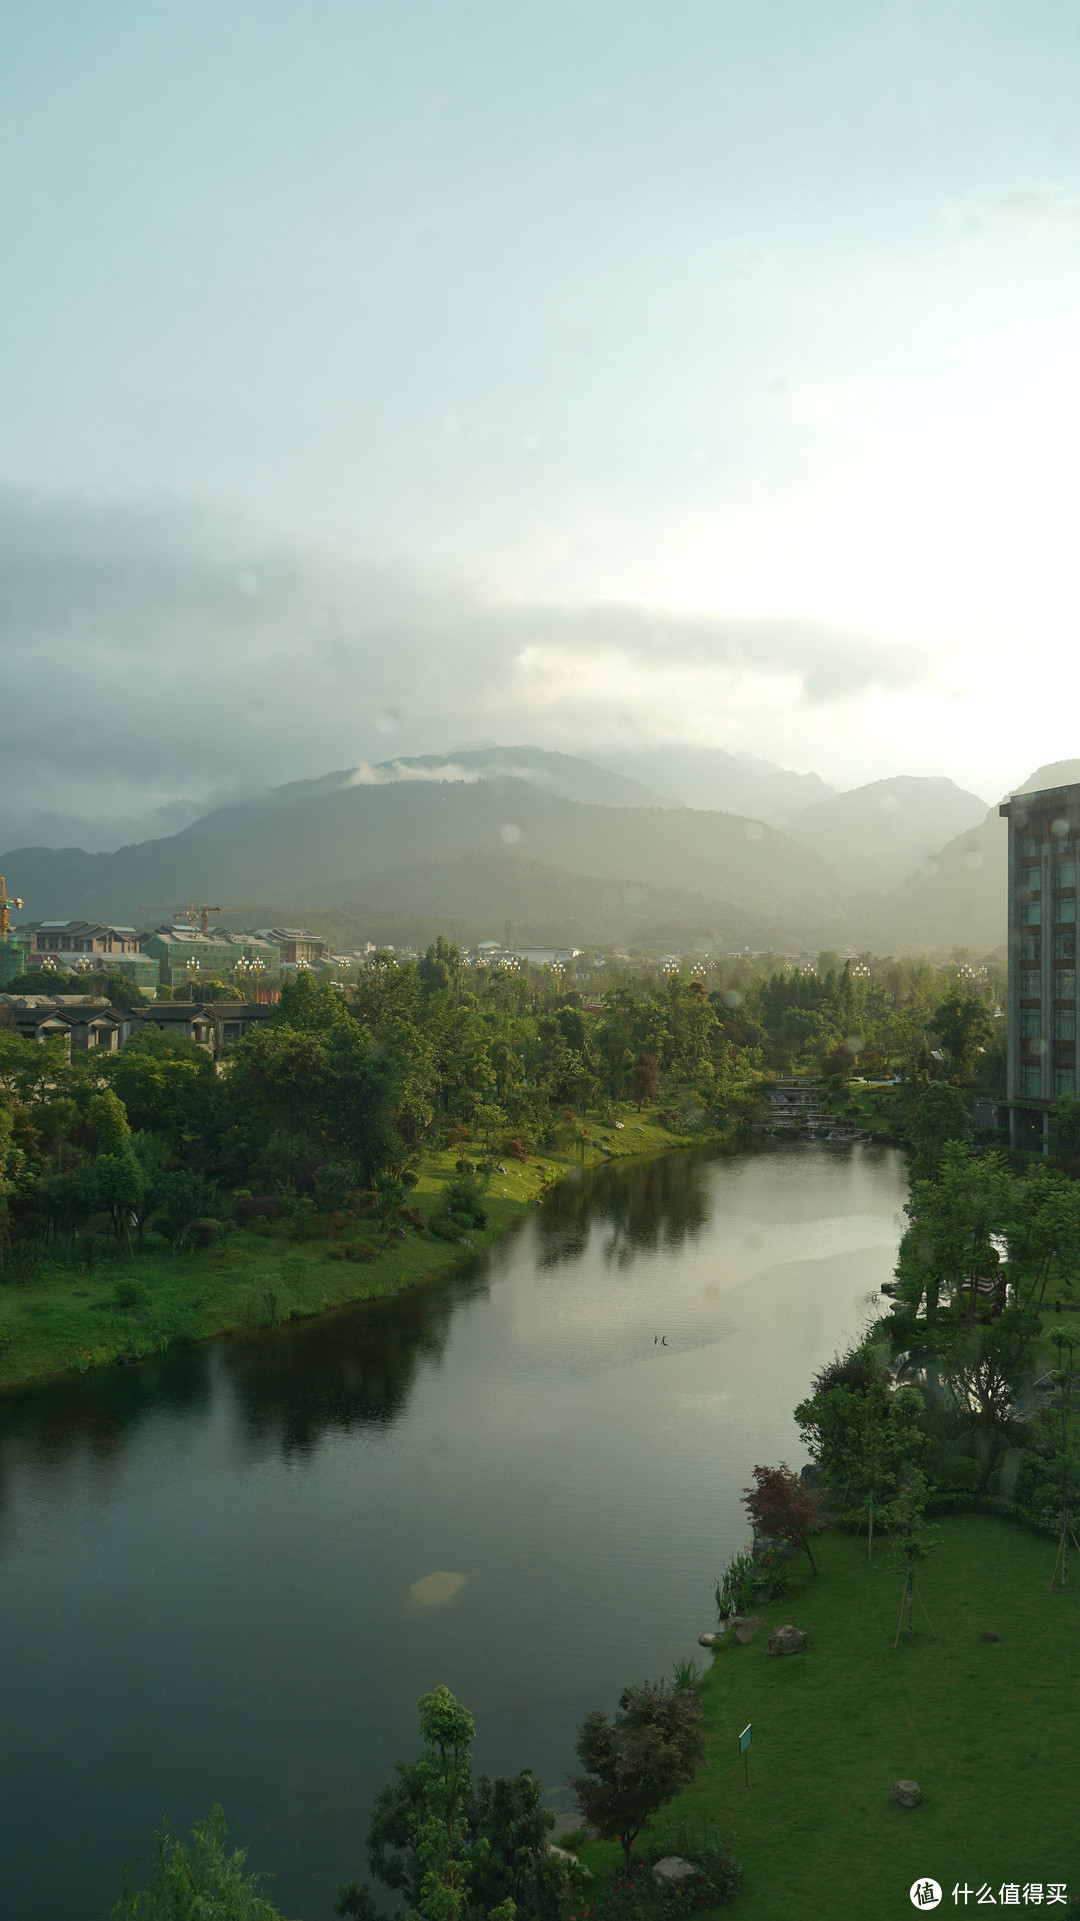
{"type": "Point", "coordinates": [597, 376]}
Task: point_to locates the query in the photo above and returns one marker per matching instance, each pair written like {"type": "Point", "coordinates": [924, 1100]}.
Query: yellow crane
{"type": "Point", "coordinates": [7, 902]}
{"type": "Point", "coordinates": [204, 912]}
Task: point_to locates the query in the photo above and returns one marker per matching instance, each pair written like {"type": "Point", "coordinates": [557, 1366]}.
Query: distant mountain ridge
{"type": "Point", "coordinates": [566, 849]}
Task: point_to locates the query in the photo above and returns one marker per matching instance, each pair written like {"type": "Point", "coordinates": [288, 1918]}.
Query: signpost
{"type": "Point", "coordinates": [744, 1748]}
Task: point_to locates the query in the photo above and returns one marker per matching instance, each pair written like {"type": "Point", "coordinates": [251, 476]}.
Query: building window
{"type": "Point", "coordinates": [1065, 945]}
{"type": "Point", "coordinates": [1030, 848]}
{"type": "Point", "coordinates": [1065, 874]}
{"type": "Point", "coordinates": [1064, 1081]}
{"type": "Point", "coordinates": [1030, 947]}
{"type": "Point", "coordinates": [1030, 1023]}
{"type": "Point", "coordinates": [1065, 1025]}
{"type": "Point", "coordinates": [1031, 913]}
{"type": "Point", "coordinates": [1065, 984]}
{"type": "Point", "coordinates": [1065, 910]}
{"type": "Point", "coordinates": [1031, 1080]}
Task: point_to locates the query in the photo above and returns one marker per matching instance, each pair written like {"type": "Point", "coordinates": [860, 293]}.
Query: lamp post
{"type": "Point", "coordinates": [192, 969]}
{"type": "Point", "coordinates": [258, 968]}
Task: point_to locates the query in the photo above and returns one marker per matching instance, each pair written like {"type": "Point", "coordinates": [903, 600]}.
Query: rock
{"type": "Point", "coordinates": [907, 1793]}
{"type": "Point", "coordinates": [747, 1629]}
{"type": "Point", "coordinates": [571, 1860]}
{"type": "Point", "coordinates": [690, 1699]}
{"type": "Point", "coordinates": [671, 1870]}
{"type": "Point", "coordinates": [707, 1640]}
{"type": "Point", "coordinates": [778, 1550]}
{"type": "Point", "coordinates": [788, 1640]}
{"type": "Point", "coordinates": [988, 1636]}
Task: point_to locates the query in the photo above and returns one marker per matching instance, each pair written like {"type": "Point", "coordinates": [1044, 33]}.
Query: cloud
{"type": "Point", "coordinates": [1037, 212]}
{"type": "Point", "coordinates": [152, 659]}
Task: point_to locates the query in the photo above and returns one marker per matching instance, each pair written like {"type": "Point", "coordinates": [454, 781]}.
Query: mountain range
{"type": "Point", "coordinates": [562, 848]}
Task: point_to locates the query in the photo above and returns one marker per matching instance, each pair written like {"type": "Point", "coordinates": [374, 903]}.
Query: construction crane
{"type": "Point", "coordinates": [204, 912]}
{"type": "Point", "coordinates": [7, 902]}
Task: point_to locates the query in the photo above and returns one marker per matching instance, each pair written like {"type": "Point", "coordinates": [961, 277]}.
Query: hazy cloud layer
{"type": "Point", "coordinates": [150, 660]}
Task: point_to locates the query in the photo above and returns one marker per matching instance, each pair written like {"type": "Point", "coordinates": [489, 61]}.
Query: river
{"type": "Point", "coordinates": [216, 1569]}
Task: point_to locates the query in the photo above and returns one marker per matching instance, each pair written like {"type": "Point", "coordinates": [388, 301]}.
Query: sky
{"type": "Point", "coordinates": [378, 377]}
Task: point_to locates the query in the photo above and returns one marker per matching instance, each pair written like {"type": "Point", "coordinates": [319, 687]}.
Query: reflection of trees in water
{"type": "Point", "coordinates": [341, 1371]}
{"type": "Point", "coordinates": [347, 1370]}
{"type": "Point", "coordinates": [94, 1415]}
{"type": "Point", "coordinates": [646, 1204]}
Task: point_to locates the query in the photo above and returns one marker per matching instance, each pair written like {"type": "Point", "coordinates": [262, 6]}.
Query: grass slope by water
{"type": "Point", "coordinates": [70, 1319]}
{"type": "Point", "coordinates": [988, 1729]}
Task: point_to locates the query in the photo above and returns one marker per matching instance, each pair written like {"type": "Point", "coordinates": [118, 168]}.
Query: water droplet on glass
{"type": "Point", "coordinates": [733, 998]}
{"type": "Point", "coordinates": [973, 858]}
{"type": "Point", "coordinates": [510, 832]}
{"type": "Point", "coordinates": [754, 830]}
{"type": "Point", "coordinates": [929, 867]}
{"type": "Point", "coordinates": [387, 720]}
{"type": "Point", "coordinates": [888, 803]}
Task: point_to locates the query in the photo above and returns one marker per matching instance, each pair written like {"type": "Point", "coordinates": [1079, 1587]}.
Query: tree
{"type": "Point", "coordinates": [636, 1762]}
{"type": "Point", "coordinates": [455, 1852]}
{"type": "Point", "coordinates": [965, 1029]}
{"type": "Point", "coordinates": [954, 1223]}
{"type": "Point", "coordinates": [644, 1079]}
{"type": "Point", "coordinates": [781, 1506]}
{"type": "Point", "coordinates": [195, 1879]}
{"type": "Point", "coordinates": [940, 1116]}
{"type": "Point", "coordinates": [1065, 1132]}
{"type": "Point", "coordinates": [863, 1439]}
{"type": "Point", "coordinates": [1066, 1338]}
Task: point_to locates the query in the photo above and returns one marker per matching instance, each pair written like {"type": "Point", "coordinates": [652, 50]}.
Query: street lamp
{"type": "Point", "coordinates": [192, 969]}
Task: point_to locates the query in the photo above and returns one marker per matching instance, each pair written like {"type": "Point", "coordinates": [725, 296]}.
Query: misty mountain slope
{"type": "Point", "coordinates": [484, 893]}
{"type": "Point", "coordinates": [325, 846]}
{"type": "Point", "coordinates": [956, 899]}
{"type": "Point", "coordinates": [707, 777]}
{"type": "Point", "coordinates": [876, 835]}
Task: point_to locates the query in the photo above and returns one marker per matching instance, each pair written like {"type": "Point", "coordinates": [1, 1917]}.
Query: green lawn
{"type": "Point", "coordinates": [990, 1730]}
{"type": "Point", "coordinates": [68, 1321]}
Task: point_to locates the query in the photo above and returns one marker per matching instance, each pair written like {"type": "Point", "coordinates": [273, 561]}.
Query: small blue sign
{"type": "Point", "coordinates": [744, 1738]}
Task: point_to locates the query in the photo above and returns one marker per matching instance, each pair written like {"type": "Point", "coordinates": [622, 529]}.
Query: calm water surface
{"type": "Point", "coordinates": [214, 1569]}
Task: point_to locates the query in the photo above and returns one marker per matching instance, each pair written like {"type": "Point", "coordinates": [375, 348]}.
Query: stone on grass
{"type": "Point", "coordinates": [907, 1793]}
{"type": "Point", "coordinates": [671, 1870]}
{"type": "Point", "coordinates": [988, 1636]}
{"type": "Point", "coordinates": [707, 1640]}
{"type": "Point", "coordinates": [747, 1629]}
{"type": "Point", "coordinates": [787, 1640]}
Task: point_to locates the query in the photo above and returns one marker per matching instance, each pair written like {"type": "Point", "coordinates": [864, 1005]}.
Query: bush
{"type": "Point", "coordinates": [412, 1218]}
{"type": "Point", "coordinates": [464, 1199]}
{"type": "Point", "coordinates": [351, 1251]}
{"type": "Point", "coordinates": [748, 1577]}
{"type": "Point", "coordinates": [203, 1233]}
{"type": "Point", "coordinates": [513, 1147]}
{"type": "Point", "coordinates": [445, 1230]}
{"type": "Point", "coordinates": [130, 1292]}
{"type": "Point", "coordinates": [960, 1475]}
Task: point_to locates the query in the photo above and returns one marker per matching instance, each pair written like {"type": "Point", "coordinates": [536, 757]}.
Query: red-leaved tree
{"type": "Point", "coordinates": [781, 1505]}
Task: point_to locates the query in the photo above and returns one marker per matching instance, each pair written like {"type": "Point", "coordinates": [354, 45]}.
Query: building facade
{"type": "Point", "coordinates": [1044, 841]}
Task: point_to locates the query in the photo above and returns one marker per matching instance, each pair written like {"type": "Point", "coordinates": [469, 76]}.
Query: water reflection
{"type": "Point", "coordinates": [645, 1205]}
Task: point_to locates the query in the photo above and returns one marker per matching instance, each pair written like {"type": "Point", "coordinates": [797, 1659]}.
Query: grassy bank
{"type": "Point", "coordinates": [988, 1729]}
{"type": "Point", "coordinates": [70, 1317]}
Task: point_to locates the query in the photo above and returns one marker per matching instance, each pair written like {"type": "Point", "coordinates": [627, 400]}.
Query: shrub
{"type": "Point", "coordinates": [513, 1147]}
{"type": "Point", "coordinates": [203, 1233]}
{"type": "Point", "coordinates": [445, 1230]}
{"type": "Point", "coordinates": [130, 1292]}
{"type": "Point", "coordinates": [747, 1577]}
{"type": "Point", "coordinates": [248, 1206]}
{"type": "Point", "coordinates": [412, 1217]}
{"type": "Point", "coordinates": [463, 1198]}
{"type": "Point", "coordinates": [962, 1474]}
{"type": "Point", "coordinates": [358, 1250]}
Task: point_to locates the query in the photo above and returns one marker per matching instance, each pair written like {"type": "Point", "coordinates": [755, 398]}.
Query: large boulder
{"type": "Point", "coordinates": [707, 1640]}
{"type": "Point", "coordinates": [787, 1640]}
{"type": "Point", "coordinates": [747, 1629]}
{"type": "Point", "coordinates": [907, 1793]}
{"type": "Point", "coordinates": [671, 1870]}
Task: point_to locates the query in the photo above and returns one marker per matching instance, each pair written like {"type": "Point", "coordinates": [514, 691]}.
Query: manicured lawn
{"type": "Point", "coordinates": [261, 1274]}
{"type": "Point", "coordinates": [990, 1730]}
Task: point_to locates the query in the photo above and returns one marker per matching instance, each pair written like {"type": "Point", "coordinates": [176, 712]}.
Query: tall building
{"type": "Point", "coordinates": [1044, 835]}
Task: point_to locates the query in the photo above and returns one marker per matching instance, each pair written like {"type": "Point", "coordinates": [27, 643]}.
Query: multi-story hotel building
{"type": "Point", "coordinates": [1044, 839]}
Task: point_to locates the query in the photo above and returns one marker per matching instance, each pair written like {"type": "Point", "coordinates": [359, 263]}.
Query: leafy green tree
{"type": "Point", "coordinates": [187, 1197]}
{"type": "Point", "coordinates": [635, 1763]}
{"type": "Point", "coordinates": [1044, 1233]}
{"type": "Point", "coordinates": [940, 1118]}
{"type": "Point", "coordinates": [452, 1851]}
{"type": "Point", "coordinates": [955, 1222]}
{"type": "Point", "coordinates": [864, 1439]}
{"type": "Point", "coordinates": [965, 1029]}
{"type": "Point", "coordinates": [196, 1879]}
{"type": "Point", "coordinates": [1065, 1132]}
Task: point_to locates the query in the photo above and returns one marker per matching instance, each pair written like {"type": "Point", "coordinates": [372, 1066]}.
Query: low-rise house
{"type": "Point", "coordinates": [189, 1019]}
{"type": "Point", "coordinates": [84, 1021]}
